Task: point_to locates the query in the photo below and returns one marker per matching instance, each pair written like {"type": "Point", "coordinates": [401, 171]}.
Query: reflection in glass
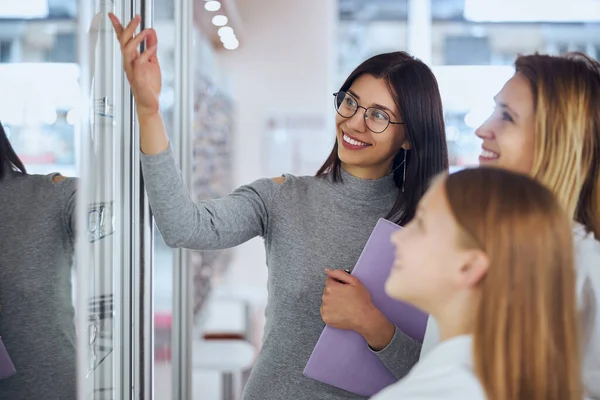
{"type": "Point", "coordinates": [103, 256]}
{"type": "Point", "coordinates": [101, 222]}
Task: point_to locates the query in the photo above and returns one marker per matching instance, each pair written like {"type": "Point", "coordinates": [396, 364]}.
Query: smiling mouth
{"type": "Point", "coordinates": [488, 155]}
{"type": "Point", "coordinates": [353, 141]}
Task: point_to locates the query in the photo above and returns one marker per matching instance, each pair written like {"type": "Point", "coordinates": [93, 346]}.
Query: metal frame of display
{"type": "Point", "coordinates": [183, 117]}
{"type": "Point", "coordinates": [120, 264]}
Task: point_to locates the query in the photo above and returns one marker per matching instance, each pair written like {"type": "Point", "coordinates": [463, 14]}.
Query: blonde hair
{"type": "Point", "coordinates": [566, 92]}
{"type": "Point", "coordinates": [526, 335]}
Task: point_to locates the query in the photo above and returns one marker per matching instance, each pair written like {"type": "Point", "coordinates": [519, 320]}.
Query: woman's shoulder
{"type": "Point", "coordinates": [38, 182]}
{"type": "Point", "coordinates": [445, 372]}
{"type": "Point", "coordinates": [54, 188]}
{"type": "Point", "coordinates": [586, 243]}
{"type": "Point", "coordinates": [587, 253]}
{"type": "Point", "coordinates": [449, 382]}
{"type": "Point", "coordinates": [67, 186]}
{"type": "Point", "coordinates": [285, 188]}
{"type": "Point", "coordinates": [288, 182]}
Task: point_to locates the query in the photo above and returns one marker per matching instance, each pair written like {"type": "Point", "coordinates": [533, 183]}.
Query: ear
{"type": "Point", "coordinates": [475, 267]}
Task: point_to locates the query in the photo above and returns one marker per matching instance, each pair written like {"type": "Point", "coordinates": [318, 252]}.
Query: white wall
{"type": "Point", "coordinates": [285, 63]}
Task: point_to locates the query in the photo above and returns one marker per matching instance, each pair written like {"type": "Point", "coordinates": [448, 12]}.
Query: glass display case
{"type": "Point", "coordinates": [114, 250]}
{"type": "Point", "coordinates": [102, 198]}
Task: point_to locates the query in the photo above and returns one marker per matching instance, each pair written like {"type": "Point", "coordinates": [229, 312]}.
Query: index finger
{"type": "Point", "coordinates": [332, 282]}
{"type": "Point", "coordinates": [116, 24]}
{"type": "Point", "coordinates": [126, 34]}
{"type": "Point", "coordinates": [340, 276]}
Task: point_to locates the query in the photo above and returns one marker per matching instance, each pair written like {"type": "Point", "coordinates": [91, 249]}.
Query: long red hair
{"type": "Point", "coordinates": [526, 340]}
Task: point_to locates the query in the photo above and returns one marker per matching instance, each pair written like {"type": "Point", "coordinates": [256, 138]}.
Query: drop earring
{"type": "Point", "coordinates": [404, 172]}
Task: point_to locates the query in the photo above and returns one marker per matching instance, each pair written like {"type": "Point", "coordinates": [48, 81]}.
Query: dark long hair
{"type": "Point", "coordinates": [9, 161]}
{"type": "Point", "coordinates": [416, 94]}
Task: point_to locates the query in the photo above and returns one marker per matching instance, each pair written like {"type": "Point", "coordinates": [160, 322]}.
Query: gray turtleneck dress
{"type": "Point", "coordinates": [308, 223]}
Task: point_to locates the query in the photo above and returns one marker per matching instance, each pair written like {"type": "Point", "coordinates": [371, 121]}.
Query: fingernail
{"type": "Point", "coordinates": [327, 269]}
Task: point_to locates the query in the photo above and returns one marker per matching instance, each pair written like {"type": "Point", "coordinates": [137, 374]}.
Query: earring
{"type": "Point", "coordinates": [404, 172]}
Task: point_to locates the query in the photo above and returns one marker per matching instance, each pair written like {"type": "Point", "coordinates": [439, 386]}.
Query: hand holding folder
{"type": "Point", "coordinates": [342, 358]}
{"type": "Point", "coordinates": [345, 300]}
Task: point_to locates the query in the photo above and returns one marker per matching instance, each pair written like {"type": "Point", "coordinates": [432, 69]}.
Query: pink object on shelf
{"type": "Point", "coordinates": [163, 323]}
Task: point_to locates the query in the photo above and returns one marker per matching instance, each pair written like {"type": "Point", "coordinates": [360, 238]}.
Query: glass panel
{"type": "Point", "coordinates": [164, 23]}
{"type": "Point", "coordinates": [102, 245]}
{"type": "Point", "coordinates": [39, 95]}
{"type": "Point", "coordinates": [39, 113]}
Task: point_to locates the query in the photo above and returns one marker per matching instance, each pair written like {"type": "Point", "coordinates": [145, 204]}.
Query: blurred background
{"type": "Point", "coordinates": [253, 82]}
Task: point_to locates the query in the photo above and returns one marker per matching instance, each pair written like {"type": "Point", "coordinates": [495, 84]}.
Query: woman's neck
{"type": "Point", "coordinates": [454, 320]}
{"type": "Point", "coordinates": [367, 173]}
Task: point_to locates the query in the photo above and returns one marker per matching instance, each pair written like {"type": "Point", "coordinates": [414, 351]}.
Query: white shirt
{"type": "Point", "coordinates": [587, 254]}
{"type": "Point", "coordinates": [444, 373]}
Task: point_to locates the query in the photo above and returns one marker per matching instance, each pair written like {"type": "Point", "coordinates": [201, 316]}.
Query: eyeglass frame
{"type": "Point", "coordinates": [365, 113]}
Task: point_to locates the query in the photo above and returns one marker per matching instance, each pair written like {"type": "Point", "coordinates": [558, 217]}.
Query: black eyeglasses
{"type": "Point", "coordinates": [376, 119]}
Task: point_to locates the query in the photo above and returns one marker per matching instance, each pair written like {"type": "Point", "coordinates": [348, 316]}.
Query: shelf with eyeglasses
{"type": "Point", "coordinates": [100, 329]}
{"type": "Point", "coordinates": [211, 173]}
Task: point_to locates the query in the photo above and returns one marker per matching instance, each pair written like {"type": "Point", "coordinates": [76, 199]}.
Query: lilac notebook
{"type": "Point", "coordinates": [342, 358]}
{"type": "Point", "coordinates": [6, 366]}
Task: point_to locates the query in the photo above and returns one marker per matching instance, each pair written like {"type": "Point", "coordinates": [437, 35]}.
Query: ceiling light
{"type": "Point", "coordinates": [225, 31]}
{"type": "Point", "coordinates": [212, 5]}
{"type": "Point", "coordinates": [219, 20]}
{"type": "Point", "coordinates": [231, 44]}
{"type": "Point", "coordinates": [226, 39]}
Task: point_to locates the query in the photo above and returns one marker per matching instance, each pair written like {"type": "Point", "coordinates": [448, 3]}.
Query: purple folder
{"type": "Point", "coordinates": [6, 365]}
{"type": "Point", "coordinates": [342, 358]}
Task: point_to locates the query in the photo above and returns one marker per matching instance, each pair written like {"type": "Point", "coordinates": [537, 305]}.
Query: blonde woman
{"type": "Point", "coordinates": [490, 256]}
{"type": "Point", "coordinates": [547, 125]}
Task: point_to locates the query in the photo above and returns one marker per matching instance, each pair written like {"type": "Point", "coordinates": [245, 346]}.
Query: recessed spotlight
{"type": "Point", "coordinates": [228, 39]}
{"type": "Point", "coordinates": [219, 20]}
{"type": "Point", "coordinates": [212, 5]}
{"type": "Point", "coordinates": [225, 31]}
{"type": "Point", "coordinates": [231, 44]}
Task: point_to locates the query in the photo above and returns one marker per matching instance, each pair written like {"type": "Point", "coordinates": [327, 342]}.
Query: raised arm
{"type": "Point", "coordinates": [207, 225]}
{"type": "Point", "coordinates": [144, 76]}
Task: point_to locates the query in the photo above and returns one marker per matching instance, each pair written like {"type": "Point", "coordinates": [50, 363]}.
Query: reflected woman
{"type": "Point", "coordinates": [37, 225]}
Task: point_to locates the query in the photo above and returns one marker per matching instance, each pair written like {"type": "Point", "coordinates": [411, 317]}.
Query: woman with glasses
{"type": "Point", "coordinates": [390, 143]}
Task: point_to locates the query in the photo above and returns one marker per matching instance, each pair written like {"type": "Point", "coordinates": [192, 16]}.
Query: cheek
{"type": "Point", "coordinates": [339, 120]}
{"type": "Point", "coordinates": [408, 275]}
{"type": "Point", "coordinates": [388, 142]}
{"type": "Point", "coordinates": [516, 151]}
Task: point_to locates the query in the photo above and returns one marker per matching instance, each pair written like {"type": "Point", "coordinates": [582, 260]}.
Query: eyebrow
{"type": "Point", "coordinates": [375, 104]}
{"type": "Point", "coordinates": [506, 106]}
